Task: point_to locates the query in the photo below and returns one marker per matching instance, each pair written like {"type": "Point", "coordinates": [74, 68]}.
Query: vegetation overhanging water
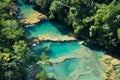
{"type": "Point", "coordinates": [47, 50]}
{"type": "Point", "coordinates": [85, 62]}
{"type": "Point", "coordinates": [83, 67]}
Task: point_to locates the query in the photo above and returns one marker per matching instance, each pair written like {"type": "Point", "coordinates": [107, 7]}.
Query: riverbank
{"type": "Point", "coordinates": [33, 19]}
{"type": "Point", "coordinates": [110, 63]}
{"type": "Point", "coordinates": [59, 38]}
{"type": "Point", "coordinates": [53, 39]}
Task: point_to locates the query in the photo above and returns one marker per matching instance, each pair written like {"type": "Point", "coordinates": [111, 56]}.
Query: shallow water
{"type": "Point", "coordinates": [85, 67]}
{"type": "Point", "coordinates": [47, 28]}
{"type": "Point", "coordinates": [26, 10]}
{"type": "Point", "coordinates": [56, 49]}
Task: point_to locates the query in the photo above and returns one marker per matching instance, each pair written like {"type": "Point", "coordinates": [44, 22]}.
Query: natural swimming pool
{"type": "Point", "coordinates": [84, 64]}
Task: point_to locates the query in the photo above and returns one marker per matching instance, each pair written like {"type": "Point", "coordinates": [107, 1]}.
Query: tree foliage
{"type": "Point", "coordinates": [96, 21]}
{"type": "Point", "coordinates": [12, 49]}
{"type": "Point", "coordinates": [11, 29]}
{"type": "Point", "coordinates": [42, 75]}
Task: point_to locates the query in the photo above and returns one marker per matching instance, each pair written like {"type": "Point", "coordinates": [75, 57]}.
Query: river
{"type": "Point", "coordinates": [71, 60]}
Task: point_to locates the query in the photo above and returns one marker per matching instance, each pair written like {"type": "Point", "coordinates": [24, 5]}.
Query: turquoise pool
{"type": "Point", "coordinates": [55, 49]}
{"type": "Point", "coordinates": [26, 10]}
{"type": "Point", "coordinates": [47, 28]}
{"type": "Point", "coordinates": [84, 66]}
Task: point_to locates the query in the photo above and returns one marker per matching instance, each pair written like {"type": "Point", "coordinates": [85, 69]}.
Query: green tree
{"type": "Point", "coordinates": [13, 67]}
{"type": "Point", "coordinates": [44, 57]}
{"type": "Point", "coordinates": [41, 5]}
{"type": "Point", "coordinates": [12, 64]}
{"type": "Point", "coordinates": [42, 75]}
{"type": "Point", "coordinates": [56, 7]}
{"type": "Point", "coordinates": [11, 29]}
{"type": "Point", "coordinates": [20, 47]}
{"type": "Point", "coordinates": [118, 33]}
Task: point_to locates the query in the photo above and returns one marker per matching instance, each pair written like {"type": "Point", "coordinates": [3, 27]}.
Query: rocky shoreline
{"type": "Point", "coordinates": [48, 38]}
{"type": "Point", "coordinates": [60, 39]}
{"type": "Point", "coordinates": [33, 19]}
{"type": "Point", "coordinates": [110, 63]}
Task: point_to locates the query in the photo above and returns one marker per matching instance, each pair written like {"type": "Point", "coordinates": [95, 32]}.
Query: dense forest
{"type": "Point", "coordinates": [95, 21]}
{"type": "Point", "coordinates": [13, 48]}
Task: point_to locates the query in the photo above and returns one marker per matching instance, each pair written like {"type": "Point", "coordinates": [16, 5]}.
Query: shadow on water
{"type": "Point", "coordinates": [28, 33]}
{"type": "Point", "coordinates": [30, 41]}
{"type": "Point", "coordinates": [41, 48]}
{"type": "Point", "coordinates": [94, 47]}
{"type": "Point", "coordinates": [62, 28]}
{"type": "Point", "coordinates": [28, 30]}
{"type": "Point", "coordinates": [21, 3]}
{"type": "Point", "coordinates": [100, 48]}
{"type": "Point", "coordinates": [113, 54]}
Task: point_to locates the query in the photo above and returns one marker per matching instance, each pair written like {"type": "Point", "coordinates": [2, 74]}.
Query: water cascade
{"type": "Point", "coordinates": [70, 60]}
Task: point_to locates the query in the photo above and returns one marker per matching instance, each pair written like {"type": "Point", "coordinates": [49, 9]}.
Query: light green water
{"type": "Point", "coordinates": [85, 65]}
{"type": "Point", "coordinates": [56, 49]}
{"type": "Point", "coordinates": [26, 10]}
{"type": "Point", "coordinates": [47, 28]}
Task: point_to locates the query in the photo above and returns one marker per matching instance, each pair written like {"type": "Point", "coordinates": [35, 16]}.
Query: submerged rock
{"type": "Point", "coordinates": [110, 64]}
{"type": "Point", "coordinates": [115, 62]}
{"type": "Point", "coordinates": [85, 66]}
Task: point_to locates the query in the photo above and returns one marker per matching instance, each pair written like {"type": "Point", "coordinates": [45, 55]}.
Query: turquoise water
{"type": "Point", "coordinates": [47, 28]}
{"type": "Point", "coordinates": [64, 69]}
{"type": "Point", "coordinates": [87, 65]}
{"type": "Point", "coordinates": [84, 66]}
{"type": "Point", "coordinates": [26, 10]}
{"type": "Point", "coordinates": [56, 49]}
